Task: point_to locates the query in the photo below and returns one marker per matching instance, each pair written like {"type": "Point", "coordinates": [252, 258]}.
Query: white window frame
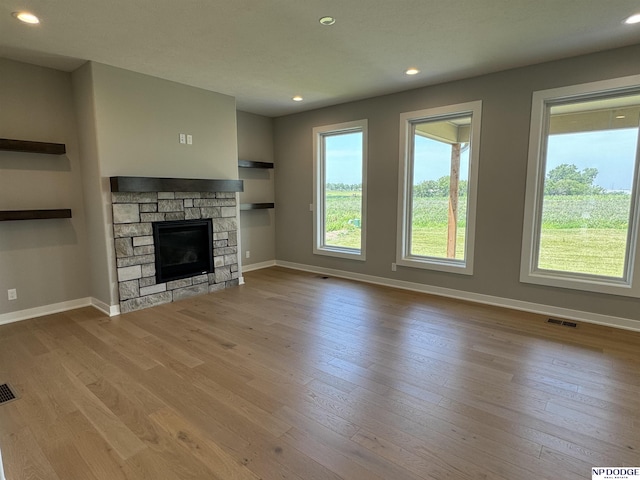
{"type": "Point", "coordinates": [529, 272]}
{"type": "Point", "coordinates": [403, 253]}
{"type": "Point", "coordinates": [319, 177]}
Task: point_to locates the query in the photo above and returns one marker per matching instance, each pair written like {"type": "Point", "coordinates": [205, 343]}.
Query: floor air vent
{"type": "Point", "coordinates": [562, 322]}
{"type": "Point", "coordinates": [6, 394]}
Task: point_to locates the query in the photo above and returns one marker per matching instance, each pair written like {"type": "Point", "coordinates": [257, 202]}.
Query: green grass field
{"type": "Point", "coordinates": [343, 207]}
{"type": "Point", "coordinates": [585, 234]}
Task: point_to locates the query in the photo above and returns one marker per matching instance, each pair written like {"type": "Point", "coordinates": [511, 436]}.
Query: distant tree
{"type": "Point", "coordinates": [343, 187]}
{"type": "Point", "coordinates": [426, 188]}
{"type": "Point", "coordinates": [566, 179]}
{"type": "Point", "coordinates": [438, 188]}
{"type": "Point", "coordinates": [443, 186]}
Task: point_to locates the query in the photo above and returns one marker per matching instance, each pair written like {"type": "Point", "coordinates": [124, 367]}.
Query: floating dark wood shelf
{"type": "Point", "coordinates": [150, 184]}
{"type": "Point", "coordinates": [250, 164]}
{"type": "Point", "coordinates": [32, 147]}
{"type": "Point", "coordinates": [10, 215]}
{"type": "Point", "coordinates": [256, 206]}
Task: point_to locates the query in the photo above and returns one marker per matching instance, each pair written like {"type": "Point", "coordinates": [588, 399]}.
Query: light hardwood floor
{"type": "Point", "coordinates": [295, 376]}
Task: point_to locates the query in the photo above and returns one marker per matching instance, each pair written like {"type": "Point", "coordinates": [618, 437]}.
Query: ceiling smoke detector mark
{"type": "Point", "coordinates": [6, 394]}
{"type": "Point", "coordinates": [327, 21]}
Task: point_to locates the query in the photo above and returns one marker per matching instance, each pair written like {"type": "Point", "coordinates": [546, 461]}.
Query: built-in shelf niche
{"type": "Point", "coordinates": [257, 206]}
{"type": "Point", "coordinates": [28, 146]}
{"type": "Point", "coordinates": [252, 164]}
{"type": "Point", "coordinates": [13, 215]}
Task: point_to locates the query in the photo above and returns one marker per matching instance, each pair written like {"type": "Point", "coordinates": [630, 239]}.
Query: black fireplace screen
{"type": "Point", "coordinates": [183, 248]}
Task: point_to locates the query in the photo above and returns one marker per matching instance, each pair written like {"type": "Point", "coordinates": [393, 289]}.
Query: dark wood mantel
{"type": "Point", "coordinates": [155, 184]}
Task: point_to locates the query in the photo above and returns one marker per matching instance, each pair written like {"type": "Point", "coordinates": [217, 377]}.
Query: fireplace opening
{"type": "Point", "coordinates": [183, 248]}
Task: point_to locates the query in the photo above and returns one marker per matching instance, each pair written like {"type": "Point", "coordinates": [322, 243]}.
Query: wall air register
{"type": "Point", "coordinates": [562, 323]}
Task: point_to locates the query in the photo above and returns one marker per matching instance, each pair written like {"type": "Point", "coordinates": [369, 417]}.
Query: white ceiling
{"type": "Point", "coordinates": [263, 52]}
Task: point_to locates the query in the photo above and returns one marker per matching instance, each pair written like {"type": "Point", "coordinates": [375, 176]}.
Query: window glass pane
{"type": "Point", "coordinates": [589, 170]}
{"type": "Point", "coordinates": [439, 187]}
{"type": "Point", "coordinates": [343, 190]}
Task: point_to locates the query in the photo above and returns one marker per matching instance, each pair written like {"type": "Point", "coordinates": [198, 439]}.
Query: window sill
{"type": "Point", "coordinates": [341, 252]}
{"type": "Point", "coordinates": [610, 286]}
{"type": "Point", "coordinates": [441, 265]}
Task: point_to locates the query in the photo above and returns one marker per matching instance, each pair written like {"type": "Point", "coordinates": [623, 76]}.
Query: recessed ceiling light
{"type": "Point", "coordinates": [620, 116]}
{"type": "Point", "coordinates": [327, 20]}
{"type": "Point", "coordinates": [633, 19]}
{"type": "Point", "coordinates": [26, 17]}
{"type": "Point", "coordinates": [412, 71]}
{"type": "Point", "coordinates": [297, 98]}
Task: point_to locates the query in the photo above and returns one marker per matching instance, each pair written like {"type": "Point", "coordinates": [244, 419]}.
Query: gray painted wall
{"type": "Point", "coordinates": [139, 118]}
{"type": "Point", "coordinates": [133, 126]}
{"type": "Point", "coordinates": [100, 269]}
{"type": "Point", "coordinates": [506, 98]}
{"type": "Point", "coordinates": [45, 260]}
{"type": "Point", "coordinates": [128, 124]}
{"type": "Point", "coordinates": [257, 227]}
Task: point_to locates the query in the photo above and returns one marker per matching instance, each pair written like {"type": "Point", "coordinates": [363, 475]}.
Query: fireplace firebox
{"type": "Point", "coordinates": [184, 248]}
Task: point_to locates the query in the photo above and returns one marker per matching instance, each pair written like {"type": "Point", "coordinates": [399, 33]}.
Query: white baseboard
{"type": "Point", "coordinates": [11, 317]}
{"type": "Point", "coordinates": [111, 310]}
{"type": "Point", "coordinates": [569, 314]}
{"type": "Point", "coordinates": [1, 468]}
{"type": "Point", "coordinates": [258, 266]}
{"type": "Point", "coordinates": [44, 310]}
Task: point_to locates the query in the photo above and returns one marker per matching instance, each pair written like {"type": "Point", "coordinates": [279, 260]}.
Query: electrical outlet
{"type": "Point", "coordinates": [189, 139]}
{"type": "Point", "coordinates": [247, 254]}
{"type": "Point", "coordinates": [183, 138]}
{"type": "Point", "coordinates": [393, 267]}
{"type": "Point", "coordinates": [12, 293]}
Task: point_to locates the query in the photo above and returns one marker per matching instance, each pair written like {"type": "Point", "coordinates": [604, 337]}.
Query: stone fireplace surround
{"type": "Point", "coordinates": [133, 214]}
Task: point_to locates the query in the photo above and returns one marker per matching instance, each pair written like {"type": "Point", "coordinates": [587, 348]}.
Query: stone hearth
{"type": "Point", "coordinates": [133, 214]}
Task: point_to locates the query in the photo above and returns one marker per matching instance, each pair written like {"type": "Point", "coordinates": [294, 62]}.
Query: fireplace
{"type": "Point", "coordinates": [183, 248]}
{"type": "Point", "coordinates": [135, 213]}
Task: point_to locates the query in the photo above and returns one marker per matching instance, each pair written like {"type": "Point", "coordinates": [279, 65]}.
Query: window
{"type": "Point", "coordinates": [340, 189]}
{"type": "Point", "coordinates": [581, 213]}
{"type": "Point", "coordinates": [438, 175]}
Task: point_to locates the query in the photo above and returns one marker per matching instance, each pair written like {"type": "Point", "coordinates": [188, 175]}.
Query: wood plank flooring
{"type": "Point", "coordinates": [296, 376]}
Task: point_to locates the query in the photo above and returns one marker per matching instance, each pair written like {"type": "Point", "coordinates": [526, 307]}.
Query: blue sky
{"type": "Point", "coordinates": [343, 155]}
{"type": "Point", "coordinates": [433, 160]}
{"type": "Point", "coordinates": [612, 152]}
